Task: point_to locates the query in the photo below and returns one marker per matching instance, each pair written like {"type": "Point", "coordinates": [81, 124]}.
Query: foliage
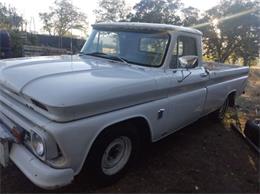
{"type": "Point", "coordinates": [11, 21]}
{"type": "Point", "coordinates": [63, 17]}
{"type": "Point", "coordinates": [156, 11]}
{"type": "Point", "coordinates": [232, 37]}
{"type": "Point", "coordinates": [48, 24]}
{"type": "Point", "coordinates": [230, 30]}
{"type": "Point", "coordinates": [16, 43]}
{"type": "Point", "coordinates": [190, 16]}
{"type": "Point", "coordinates": [9, 18]}
{"type": "Point", "coordinates": [111, 11]}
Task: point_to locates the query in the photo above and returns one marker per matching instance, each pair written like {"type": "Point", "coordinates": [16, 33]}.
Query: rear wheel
{"type": "Point", "coordinates": [220, 113]}
{"type": "Point", "coordinates": [112, 154]}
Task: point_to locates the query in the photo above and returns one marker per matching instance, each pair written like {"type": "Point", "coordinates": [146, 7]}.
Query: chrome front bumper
{"type": "Point", "coordinates": [38, 172]}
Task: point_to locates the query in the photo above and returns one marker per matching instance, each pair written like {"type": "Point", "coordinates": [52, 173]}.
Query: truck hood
{"type": "Point", "coordinates": [73, 87]}
{"type": "Point", "coordinates": [16, 74]}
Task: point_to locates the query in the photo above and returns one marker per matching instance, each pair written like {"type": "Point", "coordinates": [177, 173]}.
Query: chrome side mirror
{"type": "Point", "coordinates": [188, 61]}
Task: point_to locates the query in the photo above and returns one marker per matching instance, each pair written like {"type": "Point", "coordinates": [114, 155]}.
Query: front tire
{"type": "Point", "coordinates": [112, 154]}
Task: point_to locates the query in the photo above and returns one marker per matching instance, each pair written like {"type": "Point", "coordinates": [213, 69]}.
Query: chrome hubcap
{"type": "Point", "coordinates": [116, 155]}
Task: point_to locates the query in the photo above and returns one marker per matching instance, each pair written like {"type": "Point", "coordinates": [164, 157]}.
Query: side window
{"type": "Point", "coordinates": [185, 46]}
{"type": "Point", "coordinates": [152, 50]}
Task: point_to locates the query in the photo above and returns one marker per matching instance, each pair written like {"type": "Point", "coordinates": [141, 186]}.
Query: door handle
{"type": "Point", "coordinates": [204, 74]}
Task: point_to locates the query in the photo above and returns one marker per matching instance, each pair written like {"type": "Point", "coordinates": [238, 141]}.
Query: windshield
{"type": "Point", "coordinates": [140, 48]}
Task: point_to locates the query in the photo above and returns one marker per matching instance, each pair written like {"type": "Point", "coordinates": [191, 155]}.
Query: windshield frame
{"type": "Point", "coordinates": [95, 31]}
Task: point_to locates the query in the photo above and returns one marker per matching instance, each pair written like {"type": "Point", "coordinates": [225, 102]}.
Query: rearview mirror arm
{"type": "Point", "coordinates": [184, 77]}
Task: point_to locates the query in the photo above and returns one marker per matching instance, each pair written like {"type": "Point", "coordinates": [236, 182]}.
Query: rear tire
{"type": "Point", "coordinates": [112, 154]}
{"type": "Point", "coordinates": [220, 113]}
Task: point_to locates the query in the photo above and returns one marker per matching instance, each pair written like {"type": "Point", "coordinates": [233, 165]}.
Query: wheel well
{"type": "Point", "coordinates": [141, 124]}
{"type": "Point", "coordinates": [232, 99]}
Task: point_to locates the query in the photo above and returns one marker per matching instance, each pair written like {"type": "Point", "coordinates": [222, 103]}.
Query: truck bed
{"type": "Point", "coordinates": [214, 66]}
{"type": "Point", "coordinates": [217, 70]}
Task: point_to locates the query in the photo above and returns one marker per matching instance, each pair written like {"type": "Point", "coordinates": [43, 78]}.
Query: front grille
{"type": "Point", "coordinates": [15, 111]}
{"type": "Point", "coordinates": [5, 93]}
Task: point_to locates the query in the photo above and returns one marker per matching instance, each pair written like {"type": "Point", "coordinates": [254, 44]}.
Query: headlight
{"type": "Point", "coordinates": [38, 144]}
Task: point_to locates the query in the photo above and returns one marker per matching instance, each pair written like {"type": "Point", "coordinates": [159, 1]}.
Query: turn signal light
{"type": "Point", "coordinates": [18, 134]}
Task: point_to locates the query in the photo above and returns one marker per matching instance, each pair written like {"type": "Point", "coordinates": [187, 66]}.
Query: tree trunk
{"type": "Point", "coordinates": [246, 61]}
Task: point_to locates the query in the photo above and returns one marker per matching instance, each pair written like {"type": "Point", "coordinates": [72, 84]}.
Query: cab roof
{"type": "Point", "coordinates": [144, 26]}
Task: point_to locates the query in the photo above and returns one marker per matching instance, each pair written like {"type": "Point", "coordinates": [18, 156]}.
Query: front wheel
{"type": "Point", "coordinates": [112, 154]}
{"type": "Point", "coordinates": [116, 155]}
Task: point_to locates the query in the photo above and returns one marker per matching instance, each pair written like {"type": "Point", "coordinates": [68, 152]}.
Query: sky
{"type": "Point", "coordinates": [30, 9]}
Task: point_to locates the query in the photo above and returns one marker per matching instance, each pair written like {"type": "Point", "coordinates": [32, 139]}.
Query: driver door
{"type": "Point", "coordinates": [188, 86]}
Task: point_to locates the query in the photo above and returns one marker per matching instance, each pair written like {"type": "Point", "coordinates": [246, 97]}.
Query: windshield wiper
{"type": "Point", "coordinates": [100, 54]}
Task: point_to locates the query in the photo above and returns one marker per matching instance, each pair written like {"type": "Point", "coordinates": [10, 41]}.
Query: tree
{"type": "Point", "coordinates": [11, 21]}
{"type": "Point", "coordinates": [111, 11]}
{"type": "Point", "coordinates": [232, 31]}
{"type": "Point", "coordinates": [48, 24]}
{"type": "Point", "coordinates": [17, 43]}
{"type": "Point", "coordinates": [9, 18]}
{"type": "Point", "coordinates": [63, 17]}
{"type": "Point", "coordinates": [156, 11]}
{"type": "Point", "coordinates": [190, 16]}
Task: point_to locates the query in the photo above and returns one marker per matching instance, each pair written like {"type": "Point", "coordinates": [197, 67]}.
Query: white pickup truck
{"type": "Point", "coordinates": [132, 83]}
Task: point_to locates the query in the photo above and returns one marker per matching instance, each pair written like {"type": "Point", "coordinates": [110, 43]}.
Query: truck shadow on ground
{"type": "Point", "coordinates": [205, 157]}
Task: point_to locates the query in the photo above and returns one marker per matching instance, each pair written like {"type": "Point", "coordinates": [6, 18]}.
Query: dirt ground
{"type": "Point", "coordinates": [205, 157]}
